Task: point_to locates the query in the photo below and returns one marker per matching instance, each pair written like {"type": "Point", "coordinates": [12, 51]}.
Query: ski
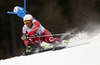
{"type": "Point", "coordinates": [53, 49]}
{"type": "Point", "coordinates": [43, 50]}
{"type": "Point", "coordinates": [47, 47]}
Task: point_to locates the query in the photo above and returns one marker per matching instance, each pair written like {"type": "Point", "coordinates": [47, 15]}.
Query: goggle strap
{"type": "Point", "coordinates": [31, 19]}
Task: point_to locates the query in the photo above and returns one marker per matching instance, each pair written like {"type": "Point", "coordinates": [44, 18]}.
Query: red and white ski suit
{"type": "Point", "coordinates": [38, 30]}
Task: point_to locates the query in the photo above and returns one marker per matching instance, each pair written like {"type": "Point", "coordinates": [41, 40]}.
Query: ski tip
{"type": "Point", "coordinates": [27, 53]}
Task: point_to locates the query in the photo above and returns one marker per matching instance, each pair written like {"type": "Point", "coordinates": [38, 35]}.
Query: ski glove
{"type": "Point", "coordinates": [28, 48]}
{"type": "Point", "coordinates": [25, 36]}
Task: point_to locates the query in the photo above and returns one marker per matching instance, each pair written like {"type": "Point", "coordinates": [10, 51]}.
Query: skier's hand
{"type": "Point", "coordinates": [24, 36]}
{"type": "Point", "coordinates": [28, 48]}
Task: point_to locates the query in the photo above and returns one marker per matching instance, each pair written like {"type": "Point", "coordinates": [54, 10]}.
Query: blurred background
{"type": "Point", "coordinates": [58, 16]}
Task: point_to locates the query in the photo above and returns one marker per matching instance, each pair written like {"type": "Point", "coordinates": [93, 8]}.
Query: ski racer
{"type": "Point", "coordinates": [33, 32]}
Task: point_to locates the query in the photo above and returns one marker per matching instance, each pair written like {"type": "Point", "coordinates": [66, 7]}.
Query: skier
{"type": "Point", "coordinates": [33, 32]}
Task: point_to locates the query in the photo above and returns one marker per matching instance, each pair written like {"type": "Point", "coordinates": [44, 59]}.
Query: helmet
{"type": "Point", "coordinates": [17, 8]}
{"type": "Point", "coordinates": [28, 17]}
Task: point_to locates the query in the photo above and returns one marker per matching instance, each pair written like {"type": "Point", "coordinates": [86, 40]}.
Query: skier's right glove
{"type": "Point", "coordinates": [25, 36]}
{"type": "Point", "coordinates": [28, 48]}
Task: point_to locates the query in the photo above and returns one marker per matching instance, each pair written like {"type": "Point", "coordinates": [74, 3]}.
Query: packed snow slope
{"type": "Point", "coordinates": [88, 54]}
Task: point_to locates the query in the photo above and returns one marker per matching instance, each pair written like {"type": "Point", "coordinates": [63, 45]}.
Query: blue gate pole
{"type": "Point", "coordinates": [25, 4]}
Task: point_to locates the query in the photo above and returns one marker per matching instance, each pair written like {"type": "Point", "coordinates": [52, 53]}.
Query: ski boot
{"type": "Point", "coordinates": [65, 43]}
{"type": "Point", "coordinates": [45, 45]}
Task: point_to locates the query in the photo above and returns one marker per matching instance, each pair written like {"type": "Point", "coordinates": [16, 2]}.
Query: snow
{"type": "Point", "coordinates": [88, 54]}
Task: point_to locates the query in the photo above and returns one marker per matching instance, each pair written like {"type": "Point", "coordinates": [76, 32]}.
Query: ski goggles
{"type": "Point", "coordinates": [27, 22]}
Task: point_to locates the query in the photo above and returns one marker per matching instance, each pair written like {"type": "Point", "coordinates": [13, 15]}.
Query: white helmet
{"type": "Point", "coordinates": [17, 8]}
{"type": "Point", "coordinates": [28, 17]}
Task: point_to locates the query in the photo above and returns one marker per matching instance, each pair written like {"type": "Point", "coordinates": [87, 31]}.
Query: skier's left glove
{"type": "Point", "coordinates": [25, 36]}
{"type": "Point", "coordinates": [28, 48]}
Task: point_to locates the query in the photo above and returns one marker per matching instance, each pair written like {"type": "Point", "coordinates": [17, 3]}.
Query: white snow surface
{"type": "Point", "coordinates": [88, 54]}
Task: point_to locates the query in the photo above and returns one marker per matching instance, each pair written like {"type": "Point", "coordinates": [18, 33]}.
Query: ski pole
{"type": "Point", "coordinates": [52, 35]}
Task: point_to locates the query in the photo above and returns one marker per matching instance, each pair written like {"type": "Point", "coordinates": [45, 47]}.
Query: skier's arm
{"type": "Point", "coordinates": [33, 31]}
{"type": "Point", "coordinates": [26, 41]}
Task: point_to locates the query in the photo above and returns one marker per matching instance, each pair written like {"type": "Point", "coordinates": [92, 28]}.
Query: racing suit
{"type": "Point", "coordinates": [37, 33]}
